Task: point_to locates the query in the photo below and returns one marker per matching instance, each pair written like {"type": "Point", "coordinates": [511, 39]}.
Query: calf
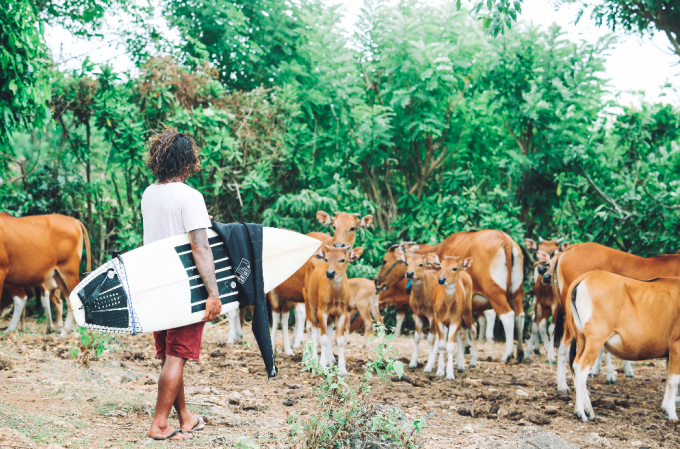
{"type": "Point", "coordinates": [638, 320]}
{"type": "Point", "coordinates": [452, 310]}
{"type": "Point", "coordinates": [423, 282]}
{"type": "Point", "coordinates": [328, 295]}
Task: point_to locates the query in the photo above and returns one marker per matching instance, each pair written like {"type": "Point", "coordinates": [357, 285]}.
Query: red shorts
{"type": "Point", "coordinates": [183, 342]}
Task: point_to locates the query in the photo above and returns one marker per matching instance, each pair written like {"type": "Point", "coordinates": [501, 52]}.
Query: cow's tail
{"type": "Point", "coordinates": [569, 331]}
{"type": "Point", "coordinates": [559, 313]}
{"type": "Point", "coordinates": [507, 246]}
{"type": "Point", "coordinates": [86, 237]}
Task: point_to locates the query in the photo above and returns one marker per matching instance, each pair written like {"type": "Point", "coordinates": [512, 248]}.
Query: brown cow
{"type": "Point", "coordinates": [284, 297]}
{"type": "Point", "coordinates": [452, 311]}
{"type": "Point", "coordinates": [495, 283]}
{"type": "Point", "coordinates": [581, 258]}
{"type": "Point", "coordinates": [35, 248]}
{"type": "Point", "coordinates": [364, 302]}
{"type": "Point", "coordinates": [638, 320]}
{"type": "Point", "coordinates": [328, 297]}
{"type": "Point", "coordinates": [544, 299]}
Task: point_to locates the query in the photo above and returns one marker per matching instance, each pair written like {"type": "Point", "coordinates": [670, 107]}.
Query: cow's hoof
{"type": "Point", "coordinates": [520, 356]}
{"type": "Point", "coordinates": [467, 350]}
{"type": "Point", "coordinates": [413, 365]}
{"type": "Point", "coordinates": [610, 381]}
{"type": "Point", "coordinates": [537, 352]}
{"type": "Point", "coordinates": [473, 365]}
{"type": "Point", "coordinates": [461, 370]}
{"type": "Point", "coordinates": [630, 376]}
{"type": "Point", "coordinates": [593, 374]}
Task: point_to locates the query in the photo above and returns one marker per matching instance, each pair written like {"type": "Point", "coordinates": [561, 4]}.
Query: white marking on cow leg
{"type": "Point", "coordinates": [324, 342]}
{"type": "Point", "coordinates": [315, 340]}
{"type": "Point", "coordinates": [342, 368]}
{"type": "Point", "coordinates": [611, 374]}
{"type": "Point", "coordinates": [45, 300]}
{"type": "Point", "coordinates": [508, 320]}
{"type": "Point", "coordinates": [233, 316]}
{"type": "Point", "coordinates": [300, 317]}
{"type": "Point", "coordinates": [519, 321]}
{"type": "Point", "coordinates": [309, 326]}
{"type": "Point", "coordinates": [430, 338]}
{"type": "Point", "coordinates": [517, 275]}
{"type": "Point", "coordinates": [460, 358]}
{"type": "Point", "coordinates": [595, 371]}
{"type": "Point", "coordinates": [286, 336]}
{"type": "Point", "coordinates": [416, 340]}
{"type": "Point", "coordinates": [19, 304]}
{"type": "Point", "coordinates": [580, 378]}
{"type": "Point", "coordinates": [583, 305]}
{"type": "Point", "coordinates": [562, 386]}
{"type": "Point", "coordinates": [450, 348]}
{"type": "Point", "coordinates": [481, 336]}
{"type": "Point", "coordinates": [547, 342]}
{"type": "Point", "coordinates": [432, 356]}
{"type": "Point", "coordinates": [490, 315]}
{"type": "Point", "coordinates": [276, 316]}
{"type": "Point", "coordinates": [669, 398]}
{"type": "Point", "coordinates": [400, 322]}
{"type": "Point", "coordinates": [330, 330]}
{"type": "Point", "coordinates": [628, 369]}
{"type": "Point", "coordinates": [532, 339]}
{"type": "Point", "coordinates": [588, 405]}
{"type": "Point", "coordinates": [443, 343]}
{"type": "Point", "coordinates": [498, 269]}
{"type": "Point", "coordinates": [472, 336]}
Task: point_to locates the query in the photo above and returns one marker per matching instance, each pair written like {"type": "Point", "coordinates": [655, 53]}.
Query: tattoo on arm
{"type": "Point", "coordinates": [203, 257]}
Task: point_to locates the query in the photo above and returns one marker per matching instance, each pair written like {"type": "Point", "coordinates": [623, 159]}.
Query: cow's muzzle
{"type": "Point", "coordinates": [330, 274]}
{"type": "Point", "coordinates": [547, 278]}
{"type": "Point", "coordinates": [441, 281]}
{"type": "Point", "coordinates": [410, 274]}
{"type": "Point", "coordinates": [542, 270]}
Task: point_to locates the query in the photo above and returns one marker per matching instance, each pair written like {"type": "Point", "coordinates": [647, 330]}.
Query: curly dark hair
{"type": "Point", "coordinates": [171, 155]}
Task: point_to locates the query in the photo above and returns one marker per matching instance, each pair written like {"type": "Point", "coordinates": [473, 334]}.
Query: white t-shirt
{"type": "Point", "coordinates": [172, 209]}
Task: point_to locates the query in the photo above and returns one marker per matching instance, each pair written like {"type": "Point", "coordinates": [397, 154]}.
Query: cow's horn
{"type": "Point", "coordinates": [540, 239]}
{"type": "Point", "coordinates": [560, 240]}
{"type": "Point", "coordinates": [357, 215]}
{"type": "Point", "coordinates": [336, 213]}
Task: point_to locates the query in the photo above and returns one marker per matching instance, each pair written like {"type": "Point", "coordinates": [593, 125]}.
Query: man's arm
{"type": "Point", "coordinates": [200, 249]}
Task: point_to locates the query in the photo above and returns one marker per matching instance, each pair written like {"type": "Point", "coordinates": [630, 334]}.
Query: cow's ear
{"type": "Point", "coordinates": [433, 259]}
{"type": "Point", "coordinates": [356, 253]}
{"type": "Point", "coordinates": [564, 246]}
{"type": "Point", "coordinates": [400, 256]}
{"type": "Point", "coordinates": [393, 247]}
{"type": "Point", "coordinates": [543, 257]}
{"type": "Point", "coordinates": [366, 221]}
{"type": "Point", "coordinates": [319, 254]}
{"type": "Point", "coordinates": [468, 263]}
{"type": "Point", "coordinates": [530, 245]}
{"type": "Point", "coordinates": [324, 218]}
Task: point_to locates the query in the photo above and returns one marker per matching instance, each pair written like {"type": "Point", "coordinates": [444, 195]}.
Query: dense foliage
{"type": "Point", "coordinates": [420, 118]}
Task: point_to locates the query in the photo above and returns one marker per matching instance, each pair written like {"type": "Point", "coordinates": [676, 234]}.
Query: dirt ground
{"type": "Point", "coordinates": [46, 396]}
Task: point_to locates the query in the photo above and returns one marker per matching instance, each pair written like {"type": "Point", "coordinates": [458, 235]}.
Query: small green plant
{"type": "Point", "coordinates": [245, 344]}
{"type": "Point", "coordinates": [247, 443]}
{"type": "Point", "coordinates": [346, 412]}
{"type": "Point", "coordinates": [90, 347]}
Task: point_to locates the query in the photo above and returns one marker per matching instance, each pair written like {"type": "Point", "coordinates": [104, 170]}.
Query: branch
{"type": "Point", "coordinates": [606, 197]}
{"type": "Point", "coordinates": [657, 199]}
{"type": "Point", "coordinates": [514, 136]}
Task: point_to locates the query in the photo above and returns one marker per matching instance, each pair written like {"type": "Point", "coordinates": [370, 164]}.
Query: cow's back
{"type": "Point", "coordinates": [35, 245]}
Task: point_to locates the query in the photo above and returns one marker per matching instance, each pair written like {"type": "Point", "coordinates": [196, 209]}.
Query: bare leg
{"type": "Point", "coordinates": [170, 392]}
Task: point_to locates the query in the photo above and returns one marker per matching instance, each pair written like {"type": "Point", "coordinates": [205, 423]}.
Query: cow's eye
{"type": "Point", "coordinates": [384, 262]}
{"type": "Point", "coordinates": [352, 229]}
{"type": "Point", "coordinates": [333, 226]}
{"type": "Point", "coordinates": [420, 266]}
{"type": "Point", "coordinates": [342, 261]}
{"type": "Point", "coordinates": [325, 260]}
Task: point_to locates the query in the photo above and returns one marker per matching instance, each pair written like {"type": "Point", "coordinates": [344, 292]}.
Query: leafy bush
{"type": "Point", "coordinates": [91, 346]}
{"type": "Point", "coordinates": [346, 411]}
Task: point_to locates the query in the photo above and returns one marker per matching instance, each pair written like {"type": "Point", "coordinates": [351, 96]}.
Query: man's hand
{"type": "Point", "coordinates": [213, 306]}
{"type": "Point", "coordinates": [200, 249]}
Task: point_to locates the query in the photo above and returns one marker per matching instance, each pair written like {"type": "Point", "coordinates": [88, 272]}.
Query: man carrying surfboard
{"type": "Point", "coordinates": [170, 208]}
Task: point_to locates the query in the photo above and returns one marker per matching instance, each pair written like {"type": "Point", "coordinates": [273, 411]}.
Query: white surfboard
{"type": "Point", "coordinates": [157, 286]}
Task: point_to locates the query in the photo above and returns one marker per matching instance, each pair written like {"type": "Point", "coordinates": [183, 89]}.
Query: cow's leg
{"type": "Point", "coordinates": [286, 336]}
{"type": "Point", "coordinates": [508, 320]}
{"type": "Point", "coordinates": [432, 356]}
{"type": "Point", "coordinates": [233, 317]}
{"type": "Point", "coordinates": [471, 335]}
{"type": "Point", "coordinates": [562, 386]}
{"type": "Point", "coordinates": [276, 316]}
{"type": "Point", "coordinates": [45, 299]}
{"type": "Point", "coordinates": [490, 315]}
{"type": "Point", "coordinates": [19, 304]}
{"type": "Point", "coordinates": [533, 339]}
{"type": "Point", "coordinates": [547, 342]}
{"type": "Point", "coordinates": [669, 398]}
{"type": "Point", "coordinates": [55, 298]}
{"type": "Point", "coordinates": [375, 309]}
{"type": "Point", "coordinates": [315, 342]}
{"type": "Point", "coordinates": [611, 374]}
{"type": "Point", "coordinates": [520, 335]}
{"type": "Point", "coordinates": [482, 327]}
{"type": "Point", "coordinates": [23, 318]}
{"type": "Point", "coordinates": [67, 279]}
{"type": "Point", "coordinates": [343, 321]}
{"type": "Point", "coordinates": [595, 371]}
{"type": "Point", "coordinates": [330, 331]}
{"type": "Point", "coordinates": [443, 343]}
{"type": "Point", "coordinates": [400, 321]}
{"type": "Point", "coordinates": [300, 319]}
{"type": "Point", "coordinates": [430, 335]}
{"type": "Point", "coordinates": [460, 358]}
{"type": "Point", "coordinates": [628, 369]}
{"type": "Point", "coordinates": [416, 339]}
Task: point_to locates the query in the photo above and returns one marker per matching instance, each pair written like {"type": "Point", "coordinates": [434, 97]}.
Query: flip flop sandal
{"type": "Point", "coordinates": [170, 437]}
{"type": "Point", "coordinates": [200, 424]}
